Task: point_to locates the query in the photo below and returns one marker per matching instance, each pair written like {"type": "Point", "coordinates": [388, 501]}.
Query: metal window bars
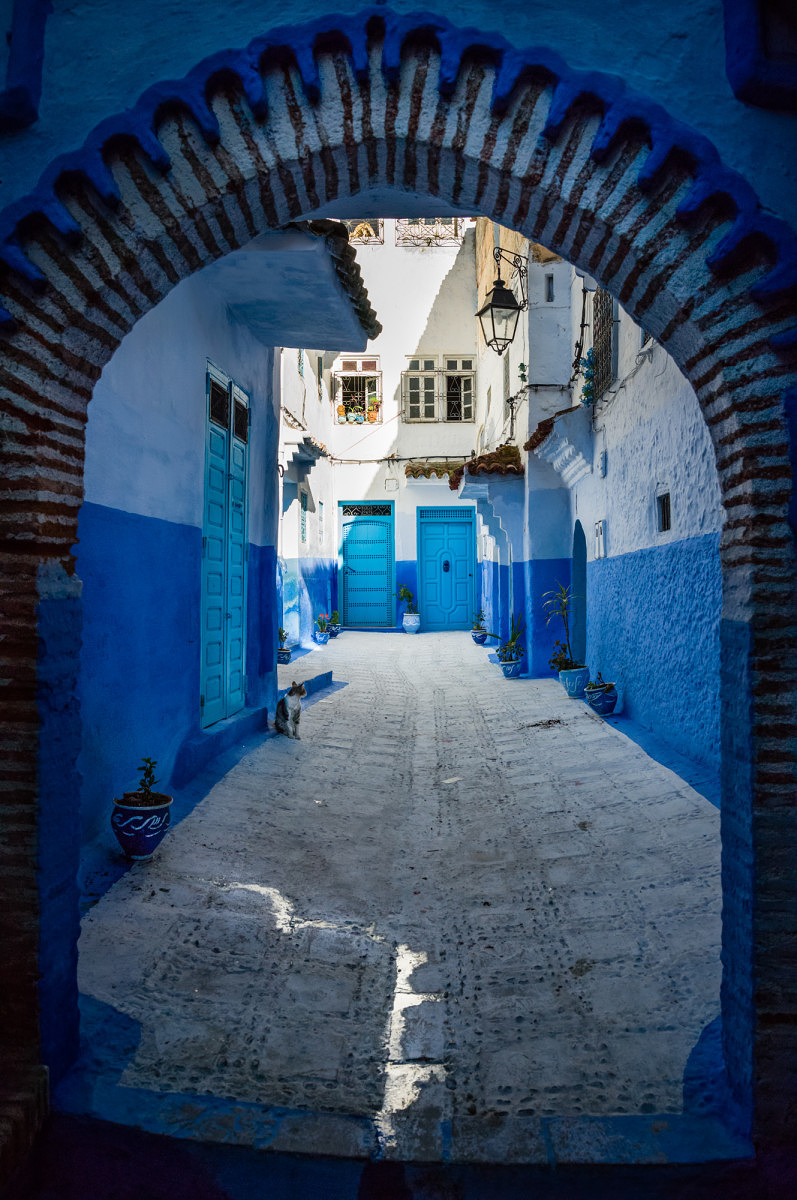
{"type": "Point", "coordinates": [429, 231]}
{"type": "Point", "coordinates": [602, 334]}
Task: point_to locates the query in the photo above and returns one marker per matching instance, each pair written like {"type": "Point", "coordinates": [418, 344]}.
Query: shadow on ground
{"type": "Point", "coordinates": [91, 1160]}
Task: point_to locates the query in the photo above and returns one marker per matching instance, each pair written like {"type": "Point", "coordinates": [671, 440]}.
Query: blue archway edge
{"type": "Point", "coordinates": [619, 107]}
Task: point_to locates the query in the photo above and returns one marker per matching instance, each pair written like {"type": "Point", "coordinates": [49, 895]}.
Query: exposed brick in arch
{"type": "Point", "coordinates": [310, 116]}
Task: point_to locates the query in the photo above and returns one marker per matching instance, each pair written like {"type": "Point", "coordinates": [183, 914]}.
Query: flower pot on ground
{"type": "Point", "coordinates": [510, 652]}
{"type": "Point", "coordinates": [573, 675]}
{"type": "Point", "coordinates": [141, 818]}
{"type": "Point", "coordinates": [333, 624]}
{"type": "Point", "coordinates": [321, 634]}
{"type": "Point", "coordinates": [601, 696]}
{"type": "Point", "coordinates": [411, 619]}
{"type": "Point", "coordinates": [574, 681]}
{"type": "Point", "coordinates": [478, 632]}
{"type": "Point", "coordinates": [283, 652]}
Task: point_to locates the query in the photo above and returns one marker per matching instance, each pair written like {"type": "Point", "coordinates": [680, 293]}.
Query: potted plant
{"type": "Point", "coordinates": [411, 619]}
{"type": "Point", "coordinates": [478, 632]}
{"type": "Point", "coordinates": [373, 410]}
{"type": "Point", "coordinates": [510, 652]}
{"type": "Point", "coordinates": [601, 696]}
{"type": "Point", "coordinates": [573, 675]}
{"type": "Point", "coordinates": [141, 818]}
{"type": "Point", "coordinates": [351, 417]}
{"type": "Point", "coordinates": [333, 624]}
{"type": "Point", "coordinates": [321, 635]}
{"type": "Point", "coordinates": [283, 653]}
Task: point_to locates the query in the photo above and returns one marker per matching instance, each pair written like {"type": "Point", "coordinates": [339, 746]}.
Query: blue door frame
{"type": "Point", "coordinates": [446, 540]}
{"type": "Point", "coordinates": [367, 564]}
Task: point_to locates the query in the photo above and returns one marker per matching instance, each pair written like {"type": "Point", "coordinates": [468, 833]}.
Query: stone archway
{"type": "Point", "coordinates": [310, 118]}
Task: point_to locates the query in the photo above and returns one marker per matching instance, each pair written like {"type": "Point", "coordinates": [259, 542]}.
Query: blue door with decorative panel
{"type": "Point", "coordinates": [224, 551]}
{"type": "Point", "coordinates": [446, 567]}
{"type": "Point", "coordinates": [368, 567]}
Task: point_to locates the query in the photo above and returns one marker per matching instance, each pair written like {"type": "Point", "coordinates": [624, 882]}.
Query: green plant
{"type": "Point", "coordinates": [557, 603]}
{"type": "Point", "coordinates": [598, 684]}
{"type": "Point", "coordinates": [322, 620]}
{"type": "Point", "coordinates": [588, 367]}
{"type": "Point", "coordinates": [560, 660]}
{"type": "Point", "coordinates": [406, 597]}
{"type": "Point", "coordinates": [511, 649]}
{"type": "Point", "coordinates": [147, 781]}
{"type": "Point", "coordinates": [335, 618]}
{"type": "Point", "coordinates": [282, 634]}
{"type": "Point", "coordinates": [478, 619]}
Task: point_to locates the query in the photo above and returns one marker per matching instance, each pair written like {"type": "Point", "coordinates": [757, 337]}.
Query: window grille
{"type": "Point", "coordinates": [602, 338]}
{"type": "Point", "coordinates": [303, 516]}
{"type": "Point", "coordinates": [366, 510]}
{"type": "Point", "coordinates": [357, 387]}
{"type": "Point", "coordinates": [458, 396]}
{"type": "Point", "coordinates": [430, 231]}
{"type": "Point", "coordinates": [435, 393]}
{"type": "Point", "coordinates": [663, 513]}
{"type": "Point", "coordinates": [365, 231]}
{"type": "Point", "coordinates": [452, 513]}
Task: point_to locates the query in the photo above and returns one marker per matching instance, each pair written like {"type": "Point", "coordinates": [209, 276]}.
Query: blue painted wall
{"type": "Point", "coordinates": [139, 681]}
{"type": "Point", "coordinates": [309, 587]}
{"type": "Point", "coordinates": [653, 625]}
{"type": "Point", "coordinates": [543, 574]}
{"type": "Point", "coordinates": [140, 545]}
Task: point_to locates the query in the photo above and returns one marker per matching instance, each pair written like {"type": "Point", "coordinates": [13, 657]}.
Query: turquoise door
{"type": "Point", "coordinates": [368, 570]}
{"type": "Point", "coordinates": [224, 551]}
{"type": "Point", "coordinates": [446, 567]}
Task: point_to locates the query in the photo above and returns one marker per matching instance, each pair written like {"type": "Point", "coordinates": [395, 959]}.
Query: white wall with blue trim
{"type": "Point", "coordinates": [140, 547]}
{"type": "Point", "coordinates": [651, 597]}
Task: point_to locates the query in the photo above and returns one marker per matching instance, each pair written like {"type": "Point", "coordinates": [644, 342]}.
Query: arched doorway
{"type": "Point", "coordinates": [277, 133]}
{"type": "Point", "coordinates": [578, 636]}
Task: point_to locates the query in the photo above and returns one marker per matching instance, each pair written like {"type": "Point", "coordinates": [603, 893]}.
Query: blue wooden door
{"type": "Point", "coordinates": [224, 552]}
{"type": "Point", "coordinates": [368, 568]}
{"type": "Point", "coordinates": [446, 558]}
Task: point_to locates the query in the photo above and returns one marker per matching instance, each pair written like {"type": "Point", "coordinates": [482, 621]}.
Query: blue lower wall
{"type": "Point", "coordinates": [139, 677]}
{"type": "Point", "coordinates": [309, 587]}
{"type": "Point", "coordinates": [653, 622]}
{"type": "Point", "coordinates": [543, 575]}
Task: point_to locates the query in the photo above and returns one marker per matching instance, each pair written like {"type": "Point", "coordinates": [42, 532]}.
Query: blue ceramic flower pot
{"type": "Point", "coordinates": [140, 830]}
{"type": "Point", "coordinates": [574, 682]}
{"type": "Point", "coordinates": [334, 630]}
{"type": "Point", "coordinates": [511, 668]}
{"type": "Point", "coordinates": [321, 636]}
{"type": "Point", "coordinates": [283, 656]}
{"type": "Point", "coordinates": [601, 700]}
{"type": "Point", "coordinates": [479, 636]}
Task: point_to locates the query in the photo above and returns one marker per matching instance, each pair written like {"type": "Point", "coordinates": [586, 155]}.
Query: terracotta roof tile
{"type": "Point", "coordinates": [544, 430]}
{"type": "Point", "coordinates": [505, 460]}
{"type": "Point", "coordinates": [420, 469]}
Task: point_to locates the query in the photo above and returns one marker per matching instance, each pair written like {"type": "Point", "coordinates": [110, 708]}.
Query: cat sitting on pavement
{"type": "Point", "coordinates": [289, 711]}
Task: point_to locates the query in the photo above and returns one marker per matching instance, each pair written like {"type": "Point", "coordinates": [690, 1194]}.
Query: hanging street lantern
{"type": "Point", "coordinates": [499, 315]}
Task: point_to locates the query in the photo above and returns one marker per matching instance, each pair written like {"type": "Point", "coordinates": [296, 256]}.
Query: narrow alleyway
{"type": "Point", "coordinates": [458, 905]}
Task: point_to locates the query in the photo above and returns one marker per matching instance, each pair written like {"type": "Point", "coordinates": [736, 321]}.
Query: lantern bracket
{"type": "Point", "coordinates": [515, 261]}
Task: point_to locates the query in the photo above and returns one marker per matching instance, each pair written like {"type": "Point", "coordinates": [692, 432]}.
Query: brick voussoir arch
{"type": "Point", "coordinates": [258, 138]}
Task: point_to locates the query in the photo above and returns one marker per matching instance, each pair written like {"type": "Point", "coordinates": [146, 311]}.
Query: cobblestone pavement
{"type": "Point", "coordinates": [458, 905]}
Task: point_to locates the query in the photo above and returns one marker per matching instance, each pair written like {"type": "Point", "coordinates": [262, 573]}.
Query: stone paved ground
{"type": "Point", "coordinates": [457, 905]}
